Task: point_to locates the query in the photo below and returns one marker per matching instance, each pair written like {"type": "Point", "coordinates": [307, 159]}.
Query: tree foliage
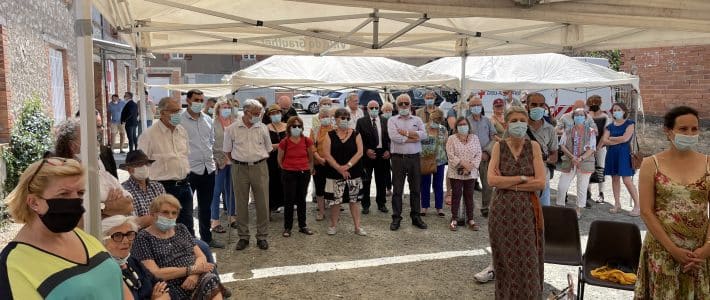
{"type": "Point", "coordinates": [613, 56]}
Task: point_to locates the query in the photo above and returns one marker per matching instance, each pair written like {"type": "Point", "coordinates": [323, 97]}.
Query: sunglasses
{"type": "Point", "coordinates": [403, 104]}
{"type": "Point", "coordinates": [52, 161]}
{"type": "Point", "coordinates": [297, 126]}
{"type": "Point", "coordinates": [118, 236]}
{"type": "Point", "coordinates": [345, 118]}
{"type": "Point", "coordinates": [373, 108]}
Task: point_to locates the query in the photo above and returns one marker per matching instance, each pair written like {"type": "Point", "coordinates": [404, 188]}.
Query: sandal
{"type": "Point", "coordinates": [305, 230]}
{"type": "Point", "coordinates": [320, 217]}
{"type": "Point", "coordinates": [615, 210]}
{"type": "Point", "coordinates": [219, 229]}
{"type": "Point", "coordinates": [441, 214]}
{"type": "Point", "coordinates": [473, 226]}
{"type": "Point", "coordinates": [287, 233]}
{"type": "Point", "coordinates": [453, 226]}
{"type": "Point", "coordinates": [634, 213]}
{"type": "Point", "coordinates": [233, 224]}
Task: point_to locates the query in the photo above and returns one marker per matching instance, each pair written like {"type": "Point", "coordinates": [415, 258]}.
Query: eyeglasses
{"type": "Point", "coordinates": [345, 118]}
{"type": "Point", "coordinates": [118, 236]}
{"type": "Point", "coordinates": [373, 108]}
{"type": "Point", "coordinates": [297, 126]}
{"type": "Point", "coordinates": [53, 161]}
{"type": "Point", "coordinates": [403, 104]}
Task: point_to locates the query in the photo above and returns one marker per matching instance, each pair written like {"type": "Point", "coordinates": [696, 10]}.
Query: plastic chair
{"type": "Point", "coordinates": [609, 241]}
{"type": "Point", "coordinates": [562, 245]}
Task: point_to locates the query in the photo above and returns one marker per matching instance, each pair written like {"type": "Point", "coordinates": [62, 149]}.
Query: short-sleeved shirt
{"type": "Point", "coordinates": [169, 149]}
{"type": "Point", "coordinates": [484, 130]}
{"type": "Point", "coordinates": [247, 144]}
{"type": "Point", "coordinates": [143, 199]}
{"type": "Point", "coordinates": [115, 109]}
{"type": "Point", "coordinates": [295, 154]}
{"type": "Point", "coordinates": [27, 272]}
{"type": "Point", "coordinates": [546, 137]}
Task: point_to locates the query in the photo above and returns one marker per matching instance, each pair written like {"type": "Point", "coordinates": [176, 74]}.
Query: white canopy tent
{"type": "Point", "coordinates": [209, 90]}
{"type": "Point", "coordinates": [336, 72]}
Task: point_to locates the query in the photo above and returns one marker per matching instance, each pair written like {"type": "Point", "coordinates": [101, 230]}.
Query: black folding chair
{"type": "Point", "coordinates": [562, 246]}
{"type": "Point", "coordinates": [609, 241]}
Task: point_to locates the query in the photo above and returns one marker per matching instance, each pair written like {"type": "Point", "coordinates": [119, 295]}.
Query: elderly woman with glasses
{"type": "Point", "coordinates": [51, 258]}
{"type": "Point", "coordinates": [169, 252]}
{"type": "Point", "coordinates": [119, 233]}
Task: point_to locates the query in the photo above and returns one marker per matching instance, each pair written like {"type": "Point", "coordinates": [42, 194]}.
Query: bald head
{"type": "Point", "coordinates": [372, 104]}
{"type": "Point", "coordinates": [578, 104]}
{"type": "Point", "coordinates": [284, 102]}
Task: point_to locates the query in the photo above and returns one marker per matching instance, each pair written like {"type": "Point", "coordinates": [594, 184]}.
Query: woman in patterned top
{"type": "Point", "coordinates": [169, 252]}
{"type": "Point", "coordinates": [464, 153]}
{"type": "Point", "coordinates": [435, 144]}
{"type": "Point", "coordinates": [50, 258]}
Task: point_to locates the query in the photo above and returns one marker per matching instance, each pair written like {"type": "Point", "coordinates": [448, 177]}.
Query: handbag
{"type": "Point", "coordinates": [427, 163]}
{"type": "Point", "coordinates": [597, 175]}
{"type": "Point", "coordinates": [636, 156]}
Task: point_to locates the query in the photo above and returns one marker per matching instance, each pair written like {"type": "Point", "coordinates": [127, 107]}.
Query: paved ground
{"type": "Point", "coordinates": [407, 264]}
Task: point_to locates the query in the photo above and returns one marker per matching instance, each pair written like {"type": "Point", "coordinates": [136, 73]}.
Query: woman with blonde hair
{"type": "Point", "coordinates": [434, 147]}
{"type": "Point", "coordinates": [320, 165]}
{"type": "Point", "coordinates": [223, 117]}
{"type": "Point", "coordinates": [66, 262]}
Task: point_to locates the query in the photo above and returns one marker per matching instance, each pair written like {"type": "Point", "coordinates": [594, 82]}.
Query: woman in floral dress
{"type": "Point", "coordinates": [515, 221]}
{"type": "Point", "coordinates": [674, 187]}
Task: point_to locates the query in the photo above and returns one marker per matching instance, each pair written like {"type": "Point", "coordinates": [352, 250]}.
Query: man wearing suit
{"type": "Point", "coordinates": [376, 146]}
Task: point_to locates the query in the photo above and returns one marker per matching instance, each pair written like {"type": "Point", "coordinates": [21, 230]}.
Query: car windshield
{"type": "Point", "coordinates": [334, 94]}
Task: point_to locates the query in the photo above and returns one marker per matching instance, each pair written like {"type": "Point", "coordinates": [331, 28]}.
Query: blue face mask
{"type": "Point", "coordinates": [295, 131]}
{"type": "Point", "coordinates": [374, 112]}
{"type": "Point", "coordinates": [618, 115]}
{"type": "Point", "coordinates": [343, 124]}
{"type": "Point", "coordinates": [404, 112]}
{"type": "Point", "coordinates": [255, 120]}
{"type": "Point", "coordinates": [275, 118]}
{"type": "Point", "coordinates": [579, 120]}
{"type": "Point", "coordinates": [326, 121]}
{"type": "Point", "coordinates": [435, 125]}
{"type": "Point", "coordinates": [518, 129]}
{"type": "Point", "coordinates": [476, 110]}
{"type": "Point", "coordinates": [325, 106]}
{"type": "Point", "coordinates": [684, 142]}
{"type": "Point", "coordinates": [235, 111]}
{"type": "Point", "coordinates": [122, 261]}
{"type": "Point", "coordinates": [225, 113]}
{"type": "Point", "coordinates": [462, 129]}
{"type": "Point", "coordinates": [175, 119]}
{"type": "Point", "coordinates": [429, 102]}
{"type": "Point", "coordinates": [537, 113]}
{"type": "Point", "coordinates": [210, 111]}
{"type": "Point", "coordinates": [387, 115]}
{"type": "Point", "coordinates": [165, 224]}
{"type": "Point", "coordinates": [196, 107]}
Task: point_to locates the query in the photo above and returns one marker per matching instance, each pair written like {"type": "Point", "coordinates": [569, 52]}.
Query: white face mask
{"type": "Point", "coordinates": [141, 173]}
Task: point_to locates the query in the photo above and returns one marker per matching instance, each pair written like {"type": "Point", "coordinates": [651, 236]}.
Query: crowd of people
{"type": "Point", "coordinates": [263, 155]}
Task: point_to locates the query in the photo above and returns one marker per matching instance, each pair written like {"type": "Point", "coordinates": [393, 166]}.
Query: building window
{"type": "Point", "coordinates": [177, 56]}
{"type": "Point", "coordinates": [249, 56]}
{"type": "Point", "coordinates": [56, 74]}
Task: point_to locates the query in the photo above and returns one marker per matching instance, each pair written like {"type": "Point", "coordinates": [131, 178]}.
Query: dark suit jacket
{"type": "Point", "coordinates": [367, 132]}
{"type": "Point", "coordinates": [129, 114]}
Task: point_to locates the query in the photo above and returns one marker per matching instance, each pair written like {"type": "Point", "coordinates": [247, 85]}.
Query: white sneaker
{"type": "Point", "coordinates": [332, 231]}
{"type": "Point", "coordinates": [361, 232]}
{"type": "Point", "coordinates": [488, 274]}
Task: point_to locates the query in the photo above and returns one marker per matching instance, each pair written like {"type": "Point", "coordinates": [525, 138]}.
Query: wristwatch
{"type": "Point", "coordinates": [524, 178]}
{"type": "Point", "coordinates": [349, 165]}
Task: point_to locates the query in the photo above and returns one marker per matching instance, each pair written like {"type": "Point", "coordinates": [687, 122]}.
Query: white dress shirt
{"type": "Point", "coordinates": [247, 144]}
{"type": "Point", "coordinates": [354, 116]}
{"type": "Point", "coordinates": [378, 128]}
{"type": "Point", "coordinates": [201, 139]}
{"type": "Point", "coordinates": [169, 149]}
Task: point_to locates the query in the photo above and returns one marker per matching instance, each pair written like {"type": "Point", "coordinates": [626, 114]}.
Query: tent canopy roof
{"type": "Point", "coordinates": [531, 71]}
{"type": "Point", "coordinates": [428, 28]}
{"type": "Point", "coordinates": [335, 72]}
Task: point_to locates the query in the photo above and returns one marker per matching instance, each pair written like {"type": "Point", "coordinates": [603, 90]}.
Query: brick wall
{"type": "Point", "coordinates": [5, 121]}
{"type": "Point", "coordinates": [671, 76]}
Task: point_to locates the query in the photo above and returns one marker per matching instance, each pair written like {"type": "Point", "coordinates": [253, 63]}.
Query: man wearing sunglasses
{"type": "Point", "coordinates": [376, 144]}
{"type": "Point", "coordinates": [406, 132]}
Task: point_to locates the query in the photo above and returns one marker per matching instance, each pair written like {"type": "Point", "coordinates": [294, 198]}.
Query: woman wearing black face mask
{"type": "Point", "coordinates": [50, 257]}
{"type": "Point", "coordinates": [602, 120]}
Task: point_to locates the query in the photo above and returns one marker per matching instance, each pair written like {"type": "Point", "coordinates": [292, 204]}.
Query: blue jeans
{"type": "Point", "coordinates": [426, 186]}
{"type": "Point", "coordinates": [223, 189]}
{"type": "Point", "coordinates": [545, 196]}
{"type": "Point", "coordinates": [205, 249]}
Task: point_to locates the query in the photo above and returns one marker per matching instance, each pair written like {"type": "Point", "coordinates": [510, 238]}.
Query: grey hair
{"type": "Point", "coordinates": [387, 105]}
{"type": "Point", "coordinates": [251, 104]}
{"type": "Point", "coordinates": [164, 102]}
{"type": "Point", "coordinates": [325, 113]}
{"type": "Point", "coordinates": [352, 94]}
{"type": "Point", "coordinates": [403, 96]}
{"type": "Point", "coordinates": [67, 132]}
{"type": "Point", "coordinates": [115, 221]}
{"type": "Point", "coordinates": [429, 93]}
{"type": "Point", "coordinates": [579, 111]}
{"type": "Point", "coordinates": [515, 109]}
{"type": "Point", "coordinates": [323, 99]}
{"type": "Point", "coordinates": [341, 112]}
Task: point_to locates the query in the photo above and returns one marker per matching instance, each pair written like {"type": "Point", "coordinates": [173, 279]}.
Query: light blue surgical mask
{"type": "Point", "coordinates": [404, 112]}
{"type": "Point", "coordinates": [235, 111]}
{"type": "Point", "coordinates": [373, 112]}
{"type": "Point", "coordinates": [387, 115]}
{"type": "Point", "coordinates": [275, 118]}
{"type": "Point", "coordinates": [165, 224]}
{"type": "Point", "coordinates": [295, 131]}
{"type": "Point", "coordinates": [196, 107]}
{"type": "Point", "coordinates": [476, 110]}
{"type": "Point", "coordinates": [343, 124]}
{"type": "Point", "coordinates": [175, 119]}
{"type": "Point", "coordinates": [325, 106]}
{"type": "Point", "coordinates": [618, 114]}
{"type": "Point", "coordinates": [429, 102]}
{"type": "Point", "coordinates": [122, 261]}
{"type": "Point", "coordinates": [684, 142]}
{"type": "Point", "coordinates": [462, 129]}
{"type": "Point", "coordinates": [225, 113]}
{"type": "Point", "coordinates": [210, 111]}
{"type": "Point", "coordinates": [435, 125]}
{"type": "Point", "coordinates": [326, 121]}
{"type": "Point", "coordinates": [518, 129]}
{"type": "Point", "coordinates": [579, 120]}
{"type": "Point", "coordinates": [255, 120]}
{"type": "Point", "coordinates": [537, 113]}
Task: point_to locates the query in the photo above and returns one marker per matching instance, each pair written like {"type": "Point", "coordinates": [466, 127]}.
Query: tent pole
{"type": "Point", "coordinates": [140, 85]}
{"type": "Point", "coordinates": [89, 149]}
{"type": "Point", "coordinates": [462, 96]}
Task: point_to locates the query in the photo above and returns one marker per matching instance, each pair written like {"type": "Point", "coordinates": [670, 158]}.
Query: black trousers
{"type": "Point", "coordinates": [295, 187]}
{"type": "Point", "coordinates": [132, 134]}
{"type": "Point", "coordinates": [406, 166]}
{"type": "Point", "coordinates": [381, 167]}
{"type": "Point", "coordinates": [204, 186]}
{"type": "Point", "coordinates": [181, 190]}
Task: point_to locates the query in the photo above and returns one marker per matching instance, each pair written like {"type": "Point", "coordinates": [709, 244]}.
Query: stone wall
{"type": "Point", "coordinates": [652, 137]}
{"type": "Point", "coordinates": [30, 28]}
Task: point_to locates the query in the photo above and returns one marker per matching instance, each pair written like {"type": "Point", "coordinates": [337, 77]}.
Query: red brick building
{"type": "Point", "coordinates": [671, 76]}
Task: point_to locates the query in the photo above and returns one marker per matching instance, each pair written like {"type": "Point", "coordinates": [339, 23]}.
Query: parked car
{"type": "Point", "coordinates": [364, 96]}
{"type": "Point", "coordinates": [417, 95]}
{"type": "Point", "coordinates": [307, 102]}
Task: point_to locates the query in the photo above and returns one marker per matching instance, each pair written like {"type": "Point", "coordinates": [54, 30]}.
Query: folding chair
{"type": "Point", "coordinates": [619, 242]}
{"type": "Point", "coordinates": [562, 245]}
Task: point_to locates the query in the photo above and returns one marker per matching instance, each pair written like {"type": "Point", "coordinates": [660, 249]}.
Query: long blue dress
{"type": "Point", "coordinates": [618, 157]}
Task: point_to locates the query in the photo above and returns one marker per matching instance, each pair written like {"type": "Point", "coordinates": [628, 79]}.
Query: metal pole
{"type": "Point", "coordinates": [89, 148]}
{"type": "Point", "coordinates": [140, 87]}
{"type": "Point", "coordinates": [462, 95]}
